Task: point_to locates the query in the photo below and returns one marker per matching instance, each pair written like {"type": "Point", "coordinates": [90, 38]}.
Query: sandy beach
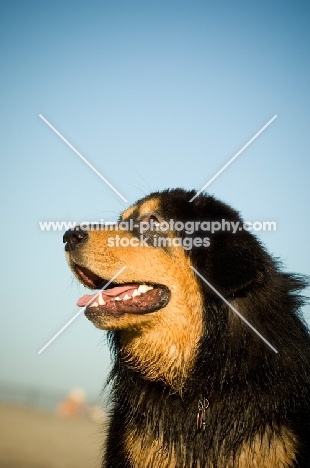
{"type": "Point", "coordinates": [31, 438]}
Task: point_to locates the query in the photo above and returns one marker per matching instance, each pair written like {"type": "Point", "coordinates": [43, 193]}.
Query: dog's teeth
{"type": "Point", "coordinates": [126, 297]}
{"type": "Point", "coordinates": [143, 288]}
{"type": "Point", "coordinates": [136, 293]}
{"type": "Point", "coordinates": [95, 304]}
{"type": "Point", "coordinates": [100, 299]}
{"type": "Point", "coordinates": [117, 299]}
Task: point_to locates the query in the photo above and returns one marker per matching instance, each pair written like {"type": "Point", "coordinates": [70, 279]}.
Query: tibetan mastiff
{"type": "Point", "coordinates": [211, 354]}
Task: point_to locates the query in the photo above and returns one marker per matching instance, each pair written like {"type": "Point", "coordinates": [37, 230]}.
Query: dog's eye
{"type": "Point", "coordinates": [151, 220]}
{"type": "Point", "coordinates": [154, 220]}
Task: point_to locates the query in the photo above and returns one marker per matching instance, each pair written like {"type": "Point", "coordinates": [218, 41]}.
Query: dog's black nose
{"type": "Point", "coordinates": [73, 237]}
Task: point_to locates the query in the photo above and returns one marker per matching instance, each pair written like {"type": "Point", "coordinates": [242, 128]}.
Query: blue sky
{"type": "Point", "coordinates": [154, 95]}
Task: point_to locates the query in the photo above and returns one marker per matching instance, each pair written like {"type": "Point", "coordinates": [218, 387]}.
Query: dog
{"type": "Point", "coordinates": [195, 384]}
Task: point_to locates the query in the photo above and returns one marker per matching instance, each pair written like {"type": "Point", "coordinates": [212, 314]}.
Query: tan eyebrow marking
{"type": "Point", "coordinates": [149, 206]}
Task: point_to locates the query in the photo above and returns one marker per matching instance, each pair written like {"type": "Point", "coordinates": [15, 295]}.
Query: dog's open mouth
{"type": "Point", "coordinates": [119, 299]}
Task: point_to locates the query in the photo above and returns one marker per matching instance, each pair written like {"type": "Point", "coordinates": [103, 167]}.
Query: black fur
{"type": "Point", "coordinates": [248, 386]}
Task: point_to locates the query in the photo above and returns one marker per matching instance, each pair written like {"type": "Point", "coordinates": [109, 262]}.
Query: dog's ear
{"type": "Point", "coordinates": [237, 262]}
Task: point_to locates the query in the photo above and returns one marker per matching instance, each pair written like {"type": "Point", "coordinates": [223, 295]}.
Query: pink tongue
{"type": "Point", "coordinates": [119, 291]}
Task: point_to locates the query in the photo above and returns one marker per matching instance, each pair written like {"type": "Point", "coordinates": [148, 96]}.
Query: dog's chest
{"type": "Point", "coordinates": [268, 451]}
{"type": "Point", "coordinates": [144, 453]}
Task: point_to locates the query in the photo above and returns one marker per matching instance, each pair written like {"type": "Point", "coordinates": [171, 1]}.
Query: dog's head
{"type": "Point", "coordinates": [156, 302]}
